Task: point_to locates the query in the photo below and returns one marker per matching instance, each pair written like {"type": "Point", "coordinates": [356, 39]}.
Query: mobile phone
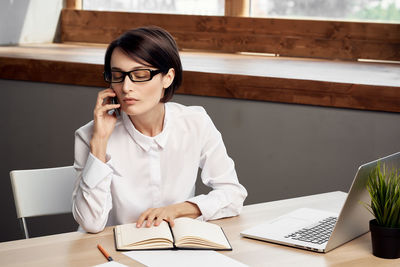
{"type": "Point", "coordinates": [114, 100]}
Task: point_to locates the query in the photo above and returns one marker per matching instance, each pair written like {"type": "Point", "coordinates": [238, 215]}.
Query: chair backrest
{"type": "Point", "coordinates": [43, 191]}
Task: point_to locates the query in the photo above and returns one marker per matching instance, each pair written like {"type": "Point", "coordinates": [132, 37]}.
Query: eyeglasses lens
{"type": "Point", "coordinates": [135, 75]}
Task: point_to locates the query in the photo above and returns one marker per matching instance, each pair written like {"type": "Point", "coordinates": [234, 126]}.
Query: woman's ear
{"type": "Point", "coordinates": [168, 78]}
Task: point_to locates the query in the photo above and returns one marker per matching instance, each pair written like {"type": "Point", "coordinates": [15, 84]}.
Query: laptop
{"type": "Point", "coordinates": [319, 230]}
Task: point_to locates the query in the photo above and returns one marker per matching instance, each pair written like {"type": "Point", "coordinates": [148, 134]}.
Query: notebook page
{"type": "Point", "coordinates": [191, 227]}
{"type": "Point", "coordinates": [130, 234]}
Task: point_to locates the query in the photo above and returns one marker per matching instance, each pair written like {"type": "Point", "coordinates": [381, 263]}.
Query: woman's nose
{"type": "Point", "coordinates": [127, 84]}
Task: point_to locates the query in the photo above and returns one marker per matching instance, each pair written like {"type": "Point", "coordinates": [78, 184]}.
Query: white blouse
{"type": "Point", "coordinates": [144, 172]}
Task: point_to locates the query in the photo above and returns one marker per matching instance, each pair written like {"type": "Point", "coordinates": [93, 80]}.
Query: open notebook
{"type": "Point", "coordinates": [186, 234]}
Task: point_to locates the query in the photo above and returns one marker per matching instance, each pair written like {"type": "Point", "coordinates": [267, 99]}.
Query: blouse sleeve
{"type": "Point", "coordinates": [218, 172]}
{"type": "Point", "coordinates": [91, 198]}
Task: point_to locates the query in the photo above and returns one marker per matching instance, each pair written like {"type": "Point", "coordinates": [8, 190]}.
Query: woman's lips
{"type": "Point", "coordinates": [130, 101]}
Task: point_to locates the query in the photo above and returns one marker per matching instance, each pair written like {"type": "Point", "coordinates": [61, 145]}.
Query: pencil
{"type": "Point", "coordinates": [108, 257]}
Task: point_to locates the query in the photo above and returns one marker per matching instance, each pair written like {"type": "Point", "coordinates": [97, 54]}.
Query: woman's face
{"type": "Point", "coordinates": [138, 98]}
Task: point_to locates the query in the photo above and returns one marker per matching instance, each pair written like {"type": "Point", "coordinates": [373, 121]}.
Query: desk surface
{"type": "Point", "coordinates": [79, 249]}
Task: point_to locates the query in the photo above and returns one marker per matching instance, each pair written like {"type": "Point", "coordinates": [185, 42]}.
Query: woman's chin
{"type": "Point", "coordinates": [133, 110]}
{"type": "Point", "coordinates": [140, 109]}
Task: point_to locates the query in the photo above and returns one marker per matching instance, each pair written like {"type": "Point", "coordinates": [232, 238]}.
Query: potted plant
{"type": "Point", "coordinates": [384, 189]}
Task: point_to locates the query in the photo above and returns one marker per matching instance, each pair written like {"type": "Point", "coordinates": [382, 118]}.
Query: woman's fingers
{"type": "Point", "coordinates": [102, 110]}
{"type": "Point", "coordinates": [142, 217]}
{"type": "Point", "coordinates": [103, 104]}
{"type": "Point", "coordinates": [150, 218]}
{"type": "Point", "coordinates": [161, 217]}
{"type": "Point", "coordinates": [170, 220]}
{"type": "Point", "coordinates": [104, 122]}
{"type": "Point", "coordinates": [158, 221]}
{"type": "Point", "coordinates": [102, 95]}
{"type": "Point", "coordinates": [156, 216]}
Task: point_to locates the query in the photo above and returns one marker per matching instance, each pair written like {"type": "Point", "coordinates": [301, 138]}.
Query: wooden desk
{"type": "Point", "coordinates": [79, 249]}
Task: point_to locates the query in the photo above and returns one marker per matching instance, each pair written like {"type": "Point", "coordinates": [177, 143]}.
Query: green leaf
{"type": "Point", "coordinates": [383, 186]}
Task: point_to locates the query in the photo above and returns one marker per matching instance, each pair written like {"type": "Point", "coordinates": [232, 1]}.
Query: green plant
{"type": "Point", "coordinates": [384, 189]}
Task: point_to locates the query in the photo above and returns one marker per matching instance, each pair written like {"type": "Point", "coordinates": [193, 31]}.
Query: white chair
{"type": "Point", "coordinates": [42, 192]}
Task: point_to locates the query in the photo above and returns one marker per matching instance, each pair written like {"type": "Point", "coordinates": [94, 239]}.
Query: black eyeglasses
{"type": "Point", "coordinates": [138, 75]}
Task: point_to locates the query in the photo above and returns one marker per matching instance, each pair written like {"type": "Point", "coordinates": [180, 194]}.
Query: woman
{"type": "Point", "coordinates": [141, 166]}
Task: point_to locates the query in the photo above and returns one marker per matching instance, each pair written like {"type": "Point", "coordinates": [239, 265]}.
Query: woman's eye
{"type": "Point", "coordinates": [141, 74]}
{"type": "Point", "coordinates": [116, 75]}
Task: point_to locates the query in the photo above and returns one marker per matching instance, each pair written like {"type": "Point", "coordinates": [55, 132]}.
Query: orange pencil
{"type": "Point", "coordinates": [108, 257]}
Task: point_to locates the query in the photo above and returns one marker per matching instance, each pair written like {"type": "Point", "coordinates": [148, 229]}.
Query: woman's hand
{"type": "Point", "coordinates": [168, 213]}
{"type": "Point", "coordinates": [104, 123]}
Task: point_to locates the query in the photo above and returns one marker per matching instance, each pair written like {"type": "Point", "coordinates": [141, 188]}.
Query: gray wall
{"type": "Point", "coordinates": [280, 150]}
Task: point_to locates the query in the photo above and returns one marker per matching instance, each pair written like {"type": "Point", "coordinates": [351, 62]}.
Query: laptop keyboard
{"type": "Point", "coordinates": [316, 234]}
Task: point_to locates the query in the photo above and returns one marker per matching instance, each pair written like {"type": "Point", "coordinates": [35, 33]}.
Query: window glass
{"type": "Point", "coordinates": [360, 10]}
{"type": "Point", "coordinates": [189, 7]}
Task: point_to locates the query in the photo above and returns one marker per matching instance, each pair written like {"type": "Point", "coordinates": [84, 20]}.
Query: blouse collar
{"type": "Point", "coordinates": [144, 141]}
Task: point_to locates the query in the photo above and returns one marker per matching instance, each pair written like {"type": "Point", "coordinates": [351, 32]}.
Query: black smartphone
{"type": "Point", "coordinates": [114, 100]}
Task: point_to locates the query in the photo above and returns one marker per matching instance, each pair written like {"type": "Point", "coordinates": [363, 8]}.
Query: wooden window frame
{"type": "Point", "coordinates": [236, 32]}
{"type": "Point", "coordinates": [73, 4]}
{"type": "Point", "coordinates": [284, 37]}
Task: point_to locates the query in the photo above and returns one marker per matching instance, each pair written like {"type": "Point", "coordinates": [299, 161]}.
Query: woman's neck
{"type": "Point", "coordinates": [152, 122]}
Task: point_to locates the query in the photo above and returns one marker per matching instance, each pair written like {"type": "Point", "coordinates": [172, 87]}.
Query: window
{"type": "Point", "coordinates": [188, 7]}
{"type": "Point", "coordinates": [363, 10]}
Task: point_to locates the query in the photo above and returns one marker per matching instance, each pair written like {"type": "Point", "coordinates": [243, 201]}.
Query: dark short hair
{"type": "Point", "coordinates": [153, 47]}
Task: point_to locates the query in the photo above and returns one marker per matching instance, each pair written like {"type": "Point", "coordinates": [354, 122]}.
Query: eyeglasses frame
{"type": "Point", "coordinates": [125, 73]}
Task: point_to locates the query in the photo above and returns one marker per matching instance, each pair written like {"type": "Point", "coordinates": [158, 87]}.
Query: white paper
{"type": "Point", "coordinates": [183, 258]}
{"type": "Point", "coordinates": [111, 264]}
